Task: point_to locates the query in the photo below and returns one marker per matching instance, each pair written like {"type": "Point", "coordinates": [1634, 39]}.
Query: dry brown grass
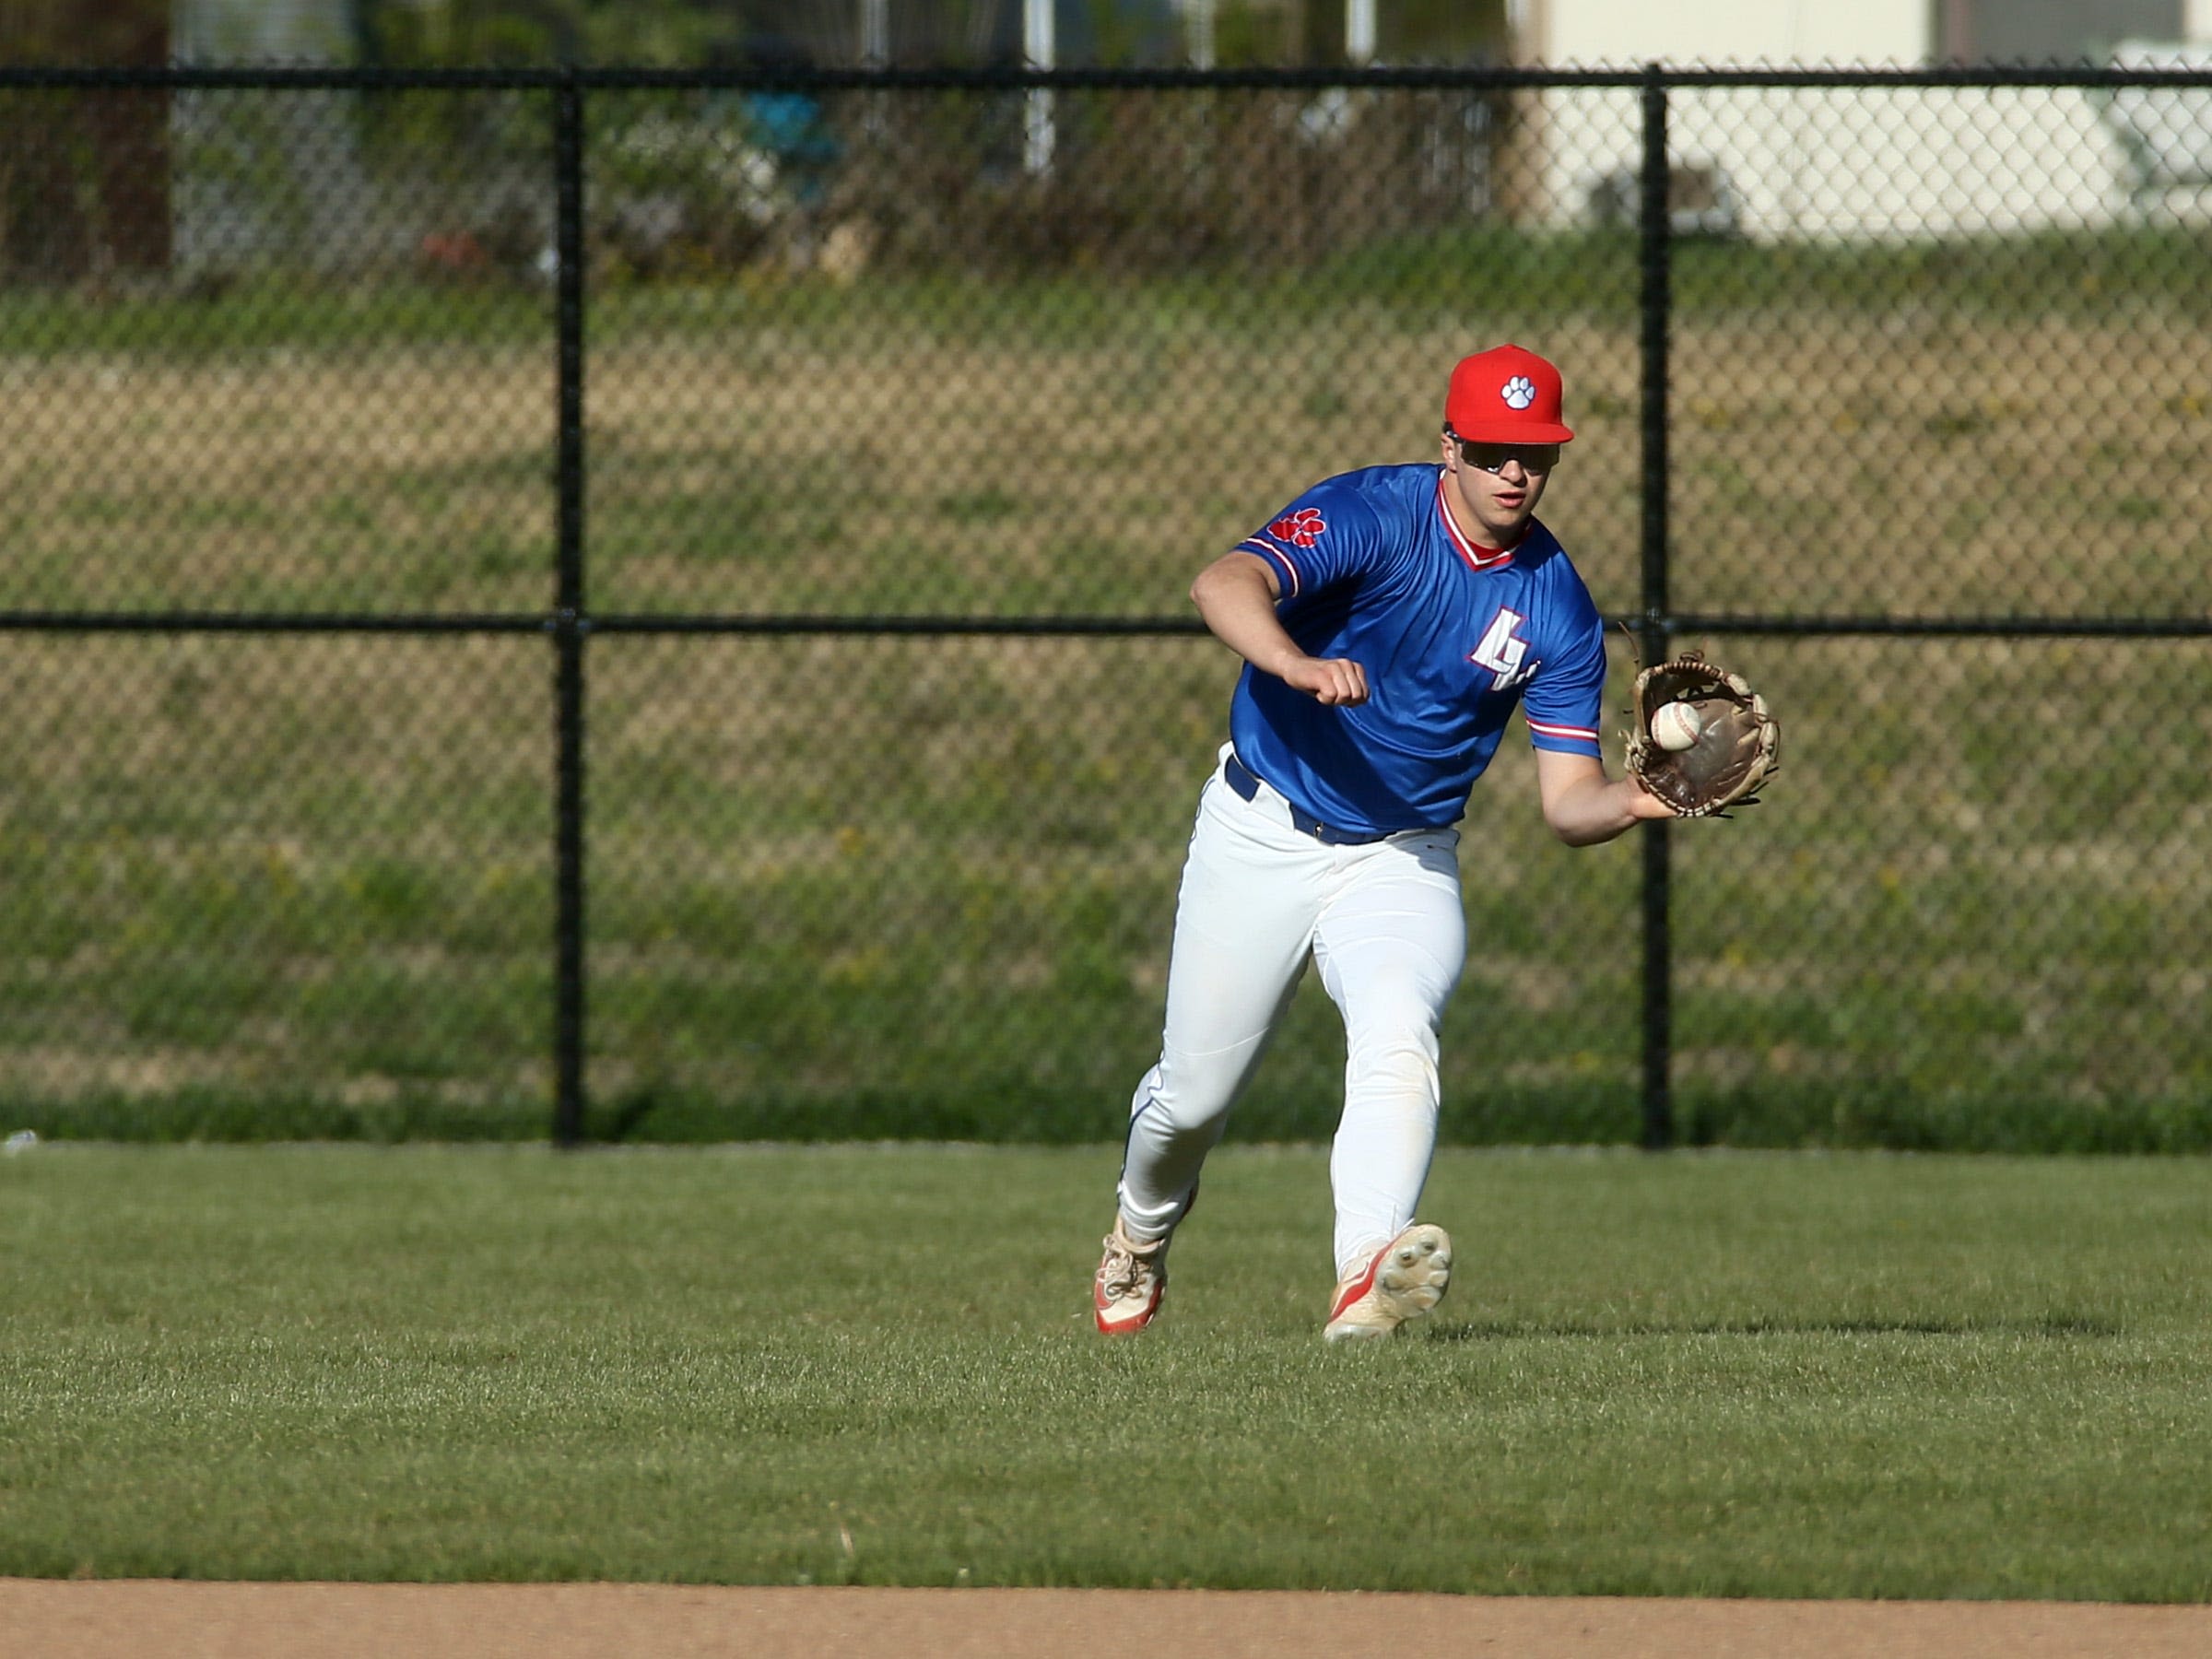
{"type": "Point", "coordinates": [1915, 465]}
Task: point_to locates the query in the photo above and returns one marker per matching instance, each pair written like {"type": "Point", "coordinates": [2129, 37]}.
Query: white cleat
{"type": "Point", "coordinates": [1404, 1280]}
{"type": "Point", "coordinates": [1130, 1280]}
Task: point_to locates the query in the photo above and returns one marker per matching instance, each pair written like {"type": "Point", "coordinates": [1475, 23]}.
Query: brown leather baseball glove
{"type": "Point", "coordinates": [1729, 744]}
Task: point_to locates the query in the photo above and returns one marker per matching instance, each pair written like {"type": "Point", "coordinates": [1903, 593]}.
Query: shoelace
{"type": "Point", "coordinates": [1119, 1276]}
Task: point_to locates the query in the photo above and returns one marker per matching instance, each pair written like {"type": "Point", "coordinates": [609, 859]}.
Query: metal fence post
{"type": "Point", "coordinates": [570, 623]}
{"type": "Point", "coordinates": [1654, 632]}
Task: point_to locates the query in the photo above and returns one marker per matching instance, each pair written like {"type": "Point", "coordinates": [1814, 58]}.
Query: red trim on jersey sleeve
{"type": "Point", "coordinates": [1571, 739]}
{"type": "Point", "coordinates": [1279, 558]}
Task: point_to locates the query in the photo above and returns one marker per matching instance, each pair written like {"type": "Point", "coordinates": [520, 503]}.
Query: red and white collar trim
{"type": "Point", "coordinates": [1478, 557]}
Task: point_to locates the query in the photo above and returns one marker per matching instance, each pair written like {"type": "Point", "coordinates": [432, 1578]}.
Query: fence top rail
{"type": "Point", "coordinates": [1472, 79]}
{"type": "Point", "coordinates": [554, 624]}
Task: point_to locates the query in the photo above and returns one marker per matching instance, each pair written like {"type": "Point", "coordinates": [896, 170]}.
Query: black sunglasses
{"type": "Point", "coordinates": [1492, 457]}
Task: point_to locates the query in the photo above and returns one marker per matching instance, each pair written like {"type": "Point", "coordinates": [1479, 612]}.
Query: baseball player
{"type": "Point", "coordinates": [1390, 619]}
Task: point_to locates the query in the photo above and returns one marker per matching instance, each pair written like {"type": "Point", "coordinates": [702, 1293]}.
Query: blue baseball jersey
{"type": "Point", "coordinates": [1452, 637]}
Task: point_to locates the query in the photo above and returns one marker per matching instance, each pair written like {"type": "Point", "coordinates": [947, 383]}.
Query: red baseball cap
{"type": "Point", "coordinates": [1506, 395]}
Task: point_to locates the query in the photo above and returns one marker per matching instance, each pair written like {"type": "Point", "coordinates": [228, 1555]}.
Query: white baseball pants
{"type": "Point", "coordinates": [1383, 923]}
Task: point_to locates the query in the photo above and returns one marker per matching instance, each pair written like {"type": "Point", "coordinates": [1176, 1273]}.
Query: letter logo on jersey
{"type": "Point", "coordinates": [1504, 653]}
{"type": "Point", "coordinates": [1300, 529]}
{"type": "Point", "coordinates": [1519, 392]}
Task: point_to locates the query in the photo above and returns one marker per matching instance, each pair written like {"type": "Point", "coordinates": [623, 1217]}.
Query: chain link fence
{"type": "Point", "coordinates": [656, 600]}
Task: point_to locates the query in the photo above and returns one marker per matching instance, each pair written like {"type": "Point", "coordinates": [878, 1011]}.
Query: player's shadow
{"type": "Point", "coordinates": [1511, 1330]}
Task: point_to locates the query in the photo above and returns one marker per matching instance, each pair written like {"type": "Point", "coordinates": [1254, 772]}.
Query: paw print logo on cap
{"type": "Point", "coordinates": [1519, 392]}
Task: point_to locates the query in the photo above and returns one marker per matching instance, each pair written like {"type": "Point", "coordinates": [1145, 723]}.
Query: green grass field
{"type": "Point", "coordinates": [1745, 1374]}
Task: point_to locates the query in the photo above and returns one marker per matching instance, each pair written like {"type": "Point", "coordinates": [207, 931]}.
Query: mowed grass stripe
{"type": "Point", "coordinates": [1780, 1376]}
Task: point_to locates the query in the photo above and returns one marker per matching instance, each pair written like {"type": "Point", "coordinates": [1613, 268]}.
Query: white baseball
{"type": "Point", "coordinates": [1675, 726]}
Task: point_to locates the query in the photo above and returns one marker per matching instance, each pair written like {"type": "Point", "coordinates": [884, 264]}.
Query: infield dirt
{"type": "Point", "coordinates": [118, 1619]}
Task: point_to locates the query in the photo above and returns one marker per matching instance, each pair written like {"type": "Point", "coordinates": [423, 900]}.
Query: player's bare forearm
{"type": "Point", "coordinates": [1583, 806]}
{"type": "Point", "coordinates": [1236, 597]}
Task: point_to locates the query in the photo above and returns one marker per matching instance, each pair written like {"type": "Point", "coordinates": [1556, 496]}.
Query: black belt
{"type": "Point", "coordinates": [1241, 779]}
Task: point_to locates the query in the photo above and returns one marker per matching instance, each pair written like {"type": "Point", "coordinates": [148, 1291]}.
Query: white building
{"type": "Point", "coordinates": [1904, 33]}
{"type": "Point", "coordinates": [1894, 164]}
